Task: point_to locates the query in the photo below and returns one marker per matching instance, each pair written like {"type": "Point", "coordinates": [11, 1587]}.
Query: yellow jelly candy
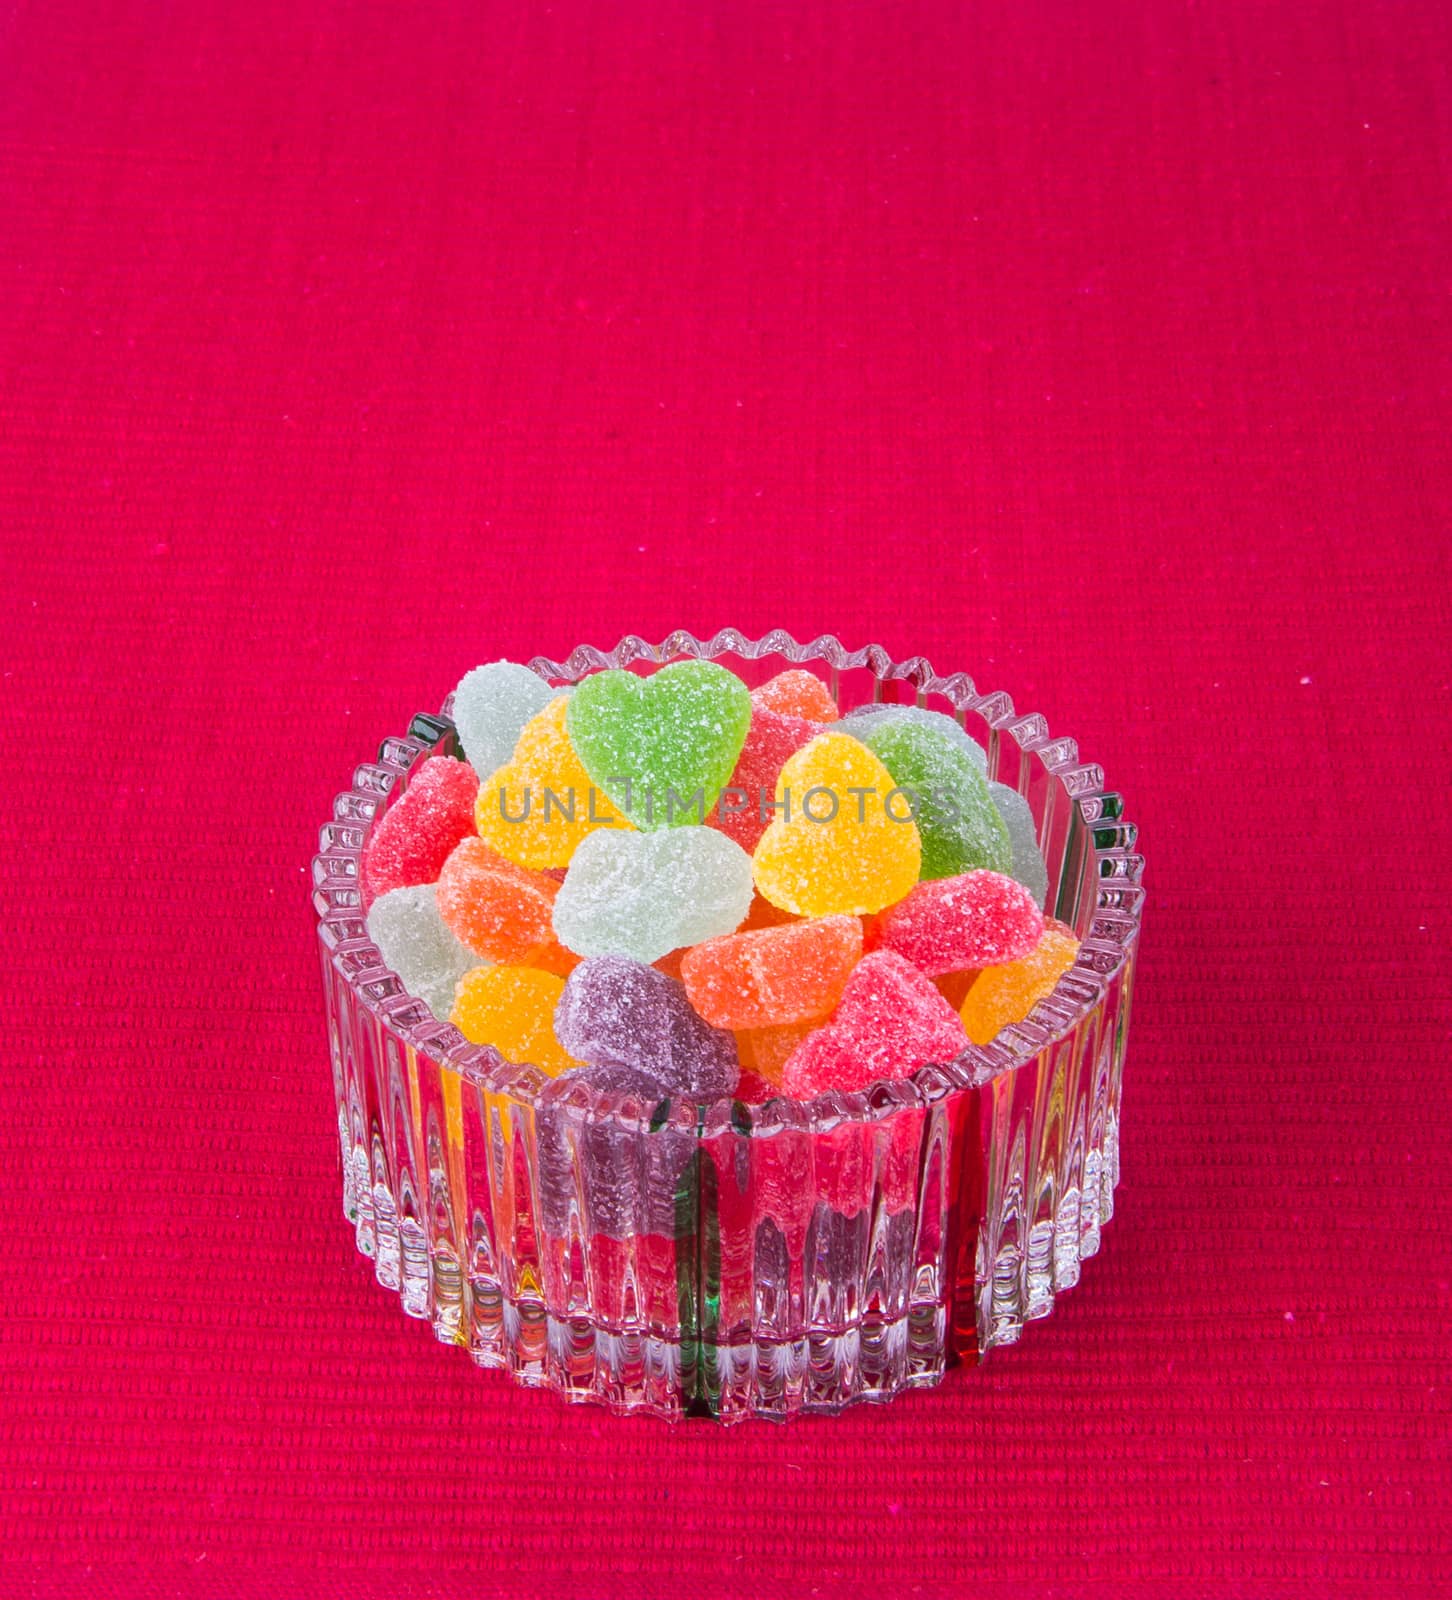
{"type": "Point", "coordinates": [1001, 995]}
{"type": "Point", "coordinates": [842, 839]}
{"type": "Point", "coordinates": [539, 806]}
{"type": "Point", "coordinates": [513, 1009]}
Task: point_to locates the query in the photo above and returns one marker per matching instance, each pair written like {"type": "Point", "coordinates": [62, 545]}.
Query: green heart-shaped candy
{"type": "Point", "coordinates": [662, 748]}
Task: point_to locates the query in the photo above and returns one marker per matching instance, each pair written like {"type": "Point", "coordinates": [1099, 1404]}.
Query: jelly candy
{"type": "Point", "coordinates": [1028, 862]}
{"type": "Point", "coordinates": [981, 919]}
{"type": "Point", "coordinates": [413, 939]}
{"type": "Point", "coordinates": [621, 1013]}
{"type": "Point", "coordinates": [864, 718]}
{"type": "Point", "coordinates": [764, 1051]}
{"type": "Point", "coordinates": [500, 911]}
{"type": "Point", "coordinates": [763, 914]}
{"type": "Point", "coordinates": [772, 976]}
{"type": "Point", "coordinates": [540, 806]}
{"type": "Point", "coordinates": [956, 817]}
{"type": "Point", "coordinates": [491, 706]}
{"type": "Point", "coordinates": [754, 1090]}
{"type": "Point", "coordinates": [646, 894]}
{"type": "Point", "coordinates": [843, 840]}
{"type": "Point", "coordinates": [797, 693]}
{"type": "Point", "coordinates": [661, 747]}
{"type": "Point", "coordinates": [1004, 994]}
{"type": "Point", "coordinates": [413, 837]}
{"type": "Point", "coordinates": [513, 1009]}
{"type": "Point", "coordinates": [770, 742]}
{"type": "Point", "coordinates": [889, 1022]}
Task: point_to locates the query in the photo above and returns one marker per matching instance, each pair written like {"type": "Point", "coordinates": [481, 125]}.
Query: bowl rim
{"type": "Point", "coordinates": [1105, 947]}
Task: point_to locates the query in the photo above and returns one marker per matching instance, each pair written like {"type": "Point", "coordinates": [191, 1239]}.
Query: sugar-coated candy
{"type": "Point", "coordinates": [1028, 861]}
{"type": "Point", "coordinates": [661, 747]}
{"type": "Point", "coordinates": [621, 1013]}
{"type": "Point", "coordinates": [843, 840]}
{"type": "Point", "coordinates": [1004, 994]}
{"type": "Point", "coordinates": [764, 1051]}
{"type": "Point", "coordinates": [540, 805]}
{"type": "Point", "coordinates": [513, 1009]}
{"type": "Point", "coordinates": [415, 941]}
{"type": "Point", "coordinates": [956, 817]}
{"type": "Point", "coordinates": [979, 919]}
{"type": "Point", "coordinates": [499, 910]}
{"type": "Point", "coordinates": [491, 706]}
{"type": "Point", "coordinates": [858, 721]}
{"type": "Point", "coordinates": [414, 836]}
{"type": "Point", "coordinates": [797, 693]}
{"type": "Point", "coordinates": [743, 811]}
{"type": "Point", "coordinates": [645, 894]}
{"type": "Point", "coordinates": [772, 976]}
{"type": "Point", "coordinates": [889, 1022]}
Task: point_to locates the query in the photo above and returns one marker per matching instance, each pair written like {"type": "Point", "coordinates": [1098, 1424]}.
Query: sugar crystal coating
{"type": "Point", "coordinates": [797, 693]}
{"type": "Point", "coordinates": [540, 805]}
{"type": "Point", "coordinates": [499, 910]}
{"type": "Point", "coordinates": [491, 706]}
{"type": "Point", "coordinates": [414, 940]}
{"type": "Point", "coordinates": [621, 1013]}
{"type": "Point", "coordinates": [772, 976]}
{"type": "Point", "coordinates": [844, 841]}
{"type": "Point", "coordinates": [1028, 861]}
{"type": "Point", "coordinates": [889, 1022]}
{"type": "Point", "coordinates": [979, 919]}
{"type": "Point", "coordinates": [661, 747]}
{"type": "Point", "coordinates": [771, 740]}
{"type": "Point", "coordinates": [645, 894]}
{"type": "Point", "coordinates": [513, 1009]}
{"type": "Point", "coordinates": [956, 817]}
{"type": "Point", "coordinates": [1004, 994]}
{"type": "Point", "coordinates": [413, 838]}
{"type": "Point", "coordinates": [860, 720]}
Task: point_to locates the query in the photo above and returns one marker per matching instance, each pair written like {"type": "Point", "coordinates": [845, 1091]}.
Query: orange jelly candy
{"type": "Point", "coordinates": [1001, 995]}
{"type": "Point", "coordinates": [513, 1009]}
{"type": "Point", "coordinates": [499, 910]}
{"type": "Point", "coordinates": [769, 977]}
{"type": "Point", "coordinates": [764, 1051]}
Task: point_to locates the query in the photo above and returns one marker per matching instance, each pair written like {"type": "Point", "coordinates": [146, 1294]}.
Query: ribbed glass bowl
{"type": "Point", "coordinates": [730, 1260]}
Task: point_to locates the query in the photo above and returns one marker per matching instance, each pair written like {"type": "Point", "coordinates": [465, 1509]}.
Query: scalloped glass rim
{"type": "Point", "coordinates": [1103, 951]}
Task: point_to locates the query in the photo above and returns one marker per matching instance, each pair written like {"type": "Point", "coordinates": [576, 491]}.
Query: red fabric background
{"type": "Point", "coordinates": [1099, 350]}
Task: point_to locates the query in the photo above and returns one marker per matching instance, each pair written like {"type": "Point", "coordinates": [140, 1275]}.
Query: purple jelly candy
{"type": "Point", "coordinates": [616, 1012]}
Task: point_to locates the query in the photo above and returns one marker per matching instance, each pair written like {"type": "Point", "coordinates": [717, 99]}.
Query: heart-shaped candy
{"type": "Point", "coordinates": [889, 1022]}
{"type": "Point", "coordinates": [492, 705]}
{"type": "Point", "coordinates": [539, 806]}
{"type": "Point", "coordinates": [843, 841]}
{"type": "Point", "coordinates": [956, 817]}
{"type": "Point", "coordinates": [645, 894]}
{"type": "Point", "coordinates": [661, 747]}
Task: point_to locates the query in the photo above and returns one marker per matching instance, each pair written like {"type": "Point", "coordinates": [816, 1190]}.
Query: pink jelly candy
{"type": "Point", "coordinates": [977, 919]}
{"type": "Point", "coordinates": [889, 1022]}
{"type": "Point", "coordinates": [771, 738]}
{"type": "Point", "coordinates": [415, 835]}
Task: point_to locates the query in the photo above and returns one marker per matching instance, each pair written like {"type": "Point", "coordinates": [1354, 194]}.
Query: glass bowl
{"type": "Point", "coordinates": [729, 1260]}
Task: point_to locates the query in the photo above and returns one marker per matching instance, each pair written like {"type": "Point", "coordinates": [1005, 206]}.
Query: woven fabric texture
{"type": "Point", "coordinates": [1100, 351]}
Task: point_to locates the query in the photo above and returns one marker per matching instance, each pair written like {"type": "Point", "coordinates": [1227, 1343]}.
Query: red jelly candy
{"type": "Point", "coordinates": [415, 835]}
{"type": "Point", "coordinates": [770, 740]}
{"type": "Point", "coordinates": [797, 693]}
{"type": "Point", "coordinates": [889, 1022]}
{"type": "Point", "coordinates": [977, 919]}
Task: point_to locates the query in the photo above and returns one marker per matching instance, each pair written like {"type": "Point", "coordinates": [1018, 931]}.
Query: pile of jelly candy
{"type": "Point", "coordinates": [678, 886]}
